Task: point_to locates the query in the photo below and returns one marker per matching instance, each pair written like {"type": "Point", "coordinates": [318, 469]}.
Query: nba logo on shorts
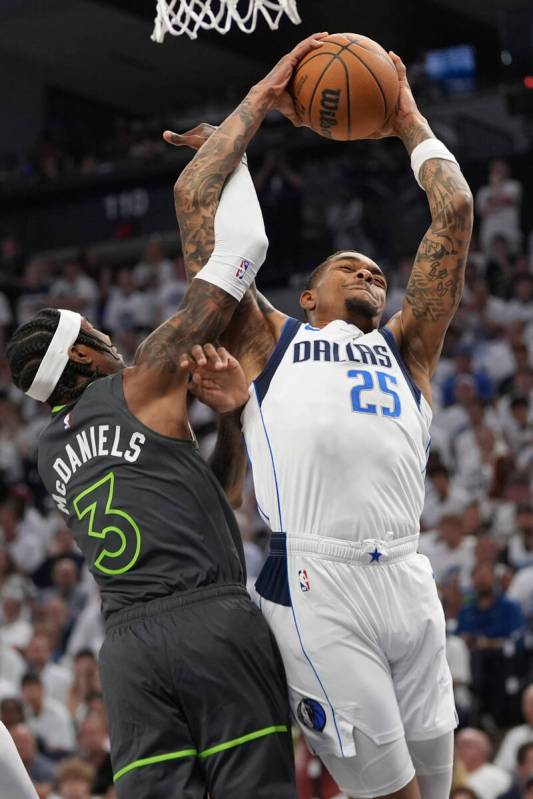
{"type": "Point", "coordinates": [305, 585]}
{"type": "Point", "coordinates": [241, 269]}
{"type": "Point", "coordinates": [66, 421]}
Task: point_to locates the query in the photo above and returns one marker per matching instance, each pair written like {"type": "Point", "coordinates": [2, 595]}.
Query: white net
{"type": "Point", "coordinates": [190, 16]}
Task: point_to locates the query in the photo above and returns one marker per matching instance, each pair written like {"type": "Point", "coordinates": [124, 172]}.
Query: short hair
{"type": "Point", "coordinates": [15, 700]}
{"type": "Point", "coordinates": [75, 769]}
{"type": "Point", "coordinates": [316, 274]}
{"type": "Point", "coordinates": [28, 347]}
{"type": "Point", "coordinates": [30, 678]}
{"type": "Point", "coordinates": [522, 752]}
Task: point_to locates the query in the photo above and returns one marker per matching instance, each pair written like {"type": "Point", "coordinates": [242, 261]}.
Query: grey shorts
{"type": "Point", "coordinates": [196, 698]}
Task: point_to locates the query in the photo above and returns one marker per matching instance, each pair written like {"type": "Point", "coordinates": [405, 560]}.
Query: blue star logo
{"type": "Point", "coordinates": [375, 555]}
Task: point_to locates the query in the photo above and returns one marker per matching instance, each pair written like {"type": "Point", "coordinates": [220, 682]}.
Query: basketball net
{"type": "Point", "coordinates": [189, 16]}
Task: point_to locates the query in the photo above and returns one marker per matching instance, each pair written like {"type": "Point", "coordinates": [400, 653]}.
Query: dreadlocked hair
{"type": "Point", "coordinates": [28, 347]}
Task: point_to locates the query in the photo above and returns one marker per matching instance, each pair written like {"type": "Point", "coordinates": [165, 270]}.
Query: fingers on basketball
{"type": "Point", "coordinates": [346, 88]}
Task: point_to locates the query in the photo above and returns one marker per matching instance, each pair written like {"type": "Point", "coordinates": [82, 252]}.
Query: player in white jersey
{"type": "Point", "coordinates": [337, 430]}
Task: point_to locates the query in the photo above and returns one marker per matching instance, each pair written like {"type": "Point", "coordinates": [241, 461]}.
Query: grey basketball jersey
{"type": "Point", "coordinates": [145, 509]}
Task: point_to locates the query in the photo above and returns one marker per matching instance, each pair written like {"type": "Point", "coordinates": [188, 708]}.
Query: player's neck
{"type": "Point", "coordinates": [363, 323]}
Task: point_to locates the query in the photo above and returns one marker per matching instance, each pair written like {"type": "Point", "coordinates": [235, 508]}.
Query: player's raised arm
{"type": "Point", "coordinates": [436, 282]}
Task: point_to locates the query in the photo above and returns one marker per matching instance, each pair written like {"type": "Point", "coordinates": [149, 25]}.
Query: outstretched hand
{"type": "Point", "coordinates": [279, 76]}
{"type": "Point", "coordinates": [406, 107]}
{"type": "Point", "coordinates": [217, 378]}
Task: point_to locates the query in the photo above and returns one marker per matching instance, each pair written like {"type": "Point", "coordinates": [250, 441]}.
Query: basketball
{"type": "Point", "coordinates": [347, 88]}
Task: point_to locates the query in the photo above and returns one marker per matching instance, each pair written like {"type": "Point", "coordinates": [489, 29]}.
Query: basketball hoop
{"type": "Point", "coordinates": [190, 16]}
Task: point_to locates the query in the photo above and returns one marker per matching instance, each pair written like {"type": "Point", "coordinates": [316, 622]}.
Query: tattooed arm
{"type": "Point", "coordinates": [255, 326]}
{"type": "Point", "coordinates": [436, 282]}
{"type": "Point", "coordinates": [228, 460]}
{"type": "Point", "coordinates": [155, 387]}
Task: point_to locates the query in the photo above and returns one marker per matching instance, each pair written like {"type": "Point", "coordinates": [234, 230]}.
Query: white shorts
{"type": "Point", "coordinates": [362, 634]}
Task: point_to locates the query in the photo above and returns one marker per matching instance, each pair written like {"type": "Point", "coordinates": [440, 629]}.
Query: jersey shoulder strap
{"type": "Point", "coordinates": [262, 383]}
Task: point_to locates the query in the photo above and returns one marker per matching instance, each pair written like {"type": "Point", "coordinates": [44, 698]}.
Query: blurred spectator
{"type": "Point", "coordinates": [473, 748]}
{"type": "Point", "coordinates": [154, 267]}
{"type": "Point", "coordinates": [518, 736]}
{"type": "Point", "coordinates": [76, 291]}
{"type": "Point", "coordinates": [520, 545]}
{"type": "Point", "coordinates": [34, 290]}
{"type": "Point", "coordinates": [39, 767]}
{"type": "Point", "coordinates": [93, 746]}
{"type": "Point", "coordinates": [24, 532]}
{"type": "Point", "coordinates": [451, 554]}
{"type": "Point", "coordinates": [12, 668]}
{"type": "Point", "coordinates": [463, 793]}
{"type": "Point", "coordinates": [48, 719]}
{"type": "Point", "coordinates": [74, 780]}
{"type": "Point", "coordinates": [66, 586]}
{"type": "Point", "coordinates": [171, 292]}
{"type": "Point", "coordinates": [85, 683]}
{"type": "Point", "coordinates": [56, 679]}
{"type": "Point", "coordinates": [15, 631]}
{"type": "Point", "coordinates": [517, 422]}
{"type": "Point", "coordinates": [490, 618]}
{"type": "Point", "coordinates": [521, 591]}
{"type": "Point", "coordinates": [463, 366]}
{"type": "Point", "coordinates": [499, 268]}
{"type": "Point", "coordinates": [128, 307]}
{"type": "Point", "coordinates": [483, 315]}
{"type": "Point", "coordinates": [458, 657]}
{"type": "Point", "coordinates": [88, 630]}
{"type": "Point", "coordinates": [11, 711]}
{"type": "Point", "coordinates": [520, 307]}
{"type": "Point", "coordinates": [444, 497]}
{"type": "Point", "coordinates": [498, 205]}
{"type": "Point", "coordinates": [523, 774]}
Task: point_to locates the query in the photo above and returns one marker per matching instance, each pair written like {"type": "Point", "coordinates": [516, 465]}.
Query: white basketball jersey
{"type": "Point", "coordinates": [338, 435]}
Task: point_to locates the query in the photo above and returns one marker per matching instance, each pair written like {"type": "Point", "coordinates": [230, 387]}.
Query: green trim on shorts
{"type": "Point", "coordinates": [242, 740]}
{"type": "Point", "coordinates": [58, 408]}
{"type": "Point", "coordinates": [149, 761]}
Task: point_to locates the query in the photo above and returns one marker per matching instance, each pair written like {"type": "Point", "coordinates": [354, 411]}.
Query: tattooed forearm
{"type": "Point", "coordinates": [197, 190]}
{"type": "Point", "coordinates": [436, 282]}
{"type": "Point", "coordinates": [228, 461]}
{"type": "Point", "coordinates": [205, 313]}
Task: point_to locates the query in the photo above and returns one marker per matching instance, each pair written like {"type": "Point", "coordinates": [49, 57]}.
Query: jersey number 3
{"type": "Point", "coordinates": [111, 524]}
{"type": "Point", "coordinates": [391, 406]}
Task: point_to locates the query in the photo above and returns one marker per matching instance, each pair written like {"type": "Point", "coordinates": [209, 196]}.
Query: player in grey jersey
{"type": "Point", "coordinates": [192, 680]}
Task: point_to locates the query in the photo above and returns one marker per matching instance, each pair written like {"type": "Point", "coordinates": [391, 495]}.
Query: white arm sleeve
{"type": "Point", "coordinates": [240, 239]}
{"type": "Point", "coordinates": [14, 780]}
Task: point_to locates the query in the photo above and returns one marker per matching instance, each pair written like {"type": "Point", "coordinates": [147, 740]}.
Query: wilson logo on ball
{"type": "Point", "coordinates": [329, 105]}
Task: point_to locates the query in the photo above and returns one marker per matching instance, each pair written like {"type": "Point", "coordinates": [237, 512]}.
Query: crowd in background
{"type": "Point", "coordinates": [477, 524]}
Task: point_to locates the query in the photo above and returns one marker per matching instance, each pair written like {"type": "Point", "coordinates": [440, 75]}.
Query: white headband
{"type": "Point", "coordinates": [56, 356]}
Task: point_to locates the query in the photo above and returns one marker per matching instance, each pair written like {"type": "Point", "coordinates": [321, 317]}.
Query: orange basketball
{"type": "Point", "coordinates": [347, 88]}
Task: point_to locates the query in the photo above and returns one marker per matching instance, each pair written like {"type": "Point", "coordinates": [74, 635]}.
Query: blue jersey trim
{"type": "Point", "coordinates": [315, 672]}
{"type": "Point", "coordinates": [262, 383]}
{"type": "Point", "coordinates": [393, 346]}
{"type": "Point", "coordinates": [273, 581]}
{"type": "Point", "coordinates": [273, 464]}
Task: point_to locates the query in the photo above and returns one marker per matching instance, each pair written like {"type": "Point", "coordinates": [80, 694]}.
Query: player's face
{"type": "Point", "coordinates": [107, 361]}
{"type": "Point", "coordinates": [352, 287]}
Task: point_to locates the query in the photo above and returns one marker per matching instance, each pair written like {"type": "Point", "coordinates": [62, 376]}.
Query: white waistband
{"type": "Point", "coordinates": [371, 550]}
